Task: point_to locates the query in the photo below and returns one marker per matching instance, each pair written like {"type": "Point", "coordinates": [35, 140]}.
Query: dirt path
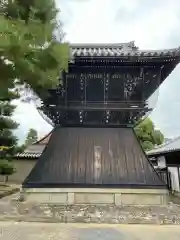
{"type": "Point", "coordinates": [46, 231]}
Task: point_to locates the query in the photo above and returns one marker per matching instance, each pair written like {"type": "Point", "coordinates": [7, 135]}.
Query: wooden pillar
{"type": "Point", "coordinates": [178, 176]}
{"type": "Point", "coordinates": [66, 92]}
{"type": "Point", "coordinates": [85, 85]}
{"type": "Point", "coordinates": [142, 79]}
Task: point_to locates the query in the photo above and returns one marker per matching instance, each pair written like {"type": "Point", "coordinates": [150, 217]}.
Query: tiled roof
{"type": "Point", "coordinates": [28, 155]}
{"type": "Point", "coordinates": [35, 150]}
{"type": "Point", "coordinates": [173, 145]}
{"type": "Point", "coordinates": [121, 49]}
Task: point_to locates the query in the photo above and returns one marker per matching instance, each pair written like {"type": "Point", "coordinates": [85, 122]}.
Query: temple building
{"type": "Point", "coordinates": [167, 158]}
{"type": "Point", "coordinates": [93, 155]}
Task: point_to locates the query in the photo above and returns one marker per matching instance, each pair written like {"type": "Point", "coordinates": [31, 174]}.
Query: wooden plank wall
{"type": "Point", "coordinates": [93, 157]}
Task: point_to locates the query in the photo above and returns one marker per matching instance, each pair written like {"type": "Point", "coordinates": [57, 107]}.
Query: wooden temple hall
{"type": "Point", "coordinates": [93, 155]}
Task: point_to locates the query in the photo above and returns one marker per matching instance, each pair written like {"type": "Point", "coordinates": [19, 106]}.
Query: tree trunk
{"type": "Point", "coordinates": [5, 179]}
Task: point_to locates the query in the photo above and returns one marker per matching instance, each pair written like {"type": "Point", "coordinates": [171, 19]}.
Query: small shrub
{"type": "Point", "coordinates": [6, 167]}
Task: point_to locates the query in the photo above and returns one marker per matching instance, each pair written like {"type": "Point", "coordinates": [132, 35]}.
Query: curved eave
{"type": "Point", "coordinates": [45, 138]}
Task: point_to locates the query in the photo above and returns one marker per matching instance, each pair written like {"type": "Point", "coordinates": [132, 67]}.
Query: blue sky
{"type": "Point", "coordinates": [152, 24]}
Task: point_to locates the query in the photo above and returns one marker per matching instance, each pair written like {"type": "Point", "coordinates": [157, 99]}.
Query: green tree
{"type": "Point", "coordinates": [30, 56]}
{"type": "Point", "coordinates": [158, 137]}
{"type": "Point", "coordinates": [20, 149]}
{"type": "Point", "coordinates": [147, 135]}
{"type": "Point", "coordinates": [32, 136]}
{"type": "Point", "coordinates": [29, 52]}
{"type": "Point", "coordinates": [8, 140]}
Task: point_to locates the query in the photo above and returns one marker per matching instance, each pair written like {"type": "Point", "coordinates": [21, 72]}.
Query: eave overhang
{"type": "Point", "coordinates": [169, 147]}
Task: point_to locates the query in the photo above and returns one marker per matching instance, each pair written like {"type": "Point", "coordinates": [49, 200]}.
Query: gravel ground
{"type": "Point", "coordinates": [54, 231]}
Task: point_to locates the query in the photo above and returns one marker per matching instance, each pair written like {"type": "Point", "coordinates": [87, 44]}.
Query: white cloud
{"type": "Point", "coordinates": [152, 24]}
{"type": "Point", "coordinates": [122, 21]}
{"type": "Point", "coordinates": [28, 117]}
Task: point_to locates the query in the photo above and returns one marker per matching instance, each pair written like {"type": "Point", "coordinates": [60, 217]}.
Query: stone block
{"type": "Point", "coordinates": [94, 198]}
{"type": "Point", "coordinates": [165, 199]}
{"type": "Point", "coordinates": [141, 199]}
{"type": "Point", "coordinates": [59, 198]}
{"type": "Point", "coordinates": [98, 190]}
{"type": "Point", "coordinates": [70, 198]}
{"type": "Point", "coordinates": [118, 199]}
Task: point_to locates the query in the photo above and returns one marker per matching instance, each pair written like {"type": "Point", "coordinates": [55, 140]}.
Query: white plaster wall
{"type": "Point", "coordinates": [96, 196]}
{"type": "Point", "coordinates": [174, 178]}
{"type": "Point", "coordinates": [161, 162]}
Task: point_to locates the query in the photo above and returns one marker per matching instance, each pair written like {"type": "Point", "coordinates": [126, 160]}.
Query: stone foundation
{"type": "Point", "coordinates": [106, 214]}
{"type": "Point", "coordinates": [96, 196]}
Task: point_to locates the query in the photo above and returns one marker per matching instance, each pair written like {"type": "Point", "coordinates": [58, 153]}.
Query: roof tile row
{"type": "Point", "coordinates": [122, 49]}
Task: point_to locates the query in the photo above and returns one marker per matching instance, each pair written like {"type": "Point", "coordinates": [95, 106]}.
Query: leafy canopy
{"type": "Point", "coordinates": [29, 56]}
{"type": "Point", "coordinates": [8, 140]}
{"type": "Point", "coordinates": [29, 51]}
{"type": "Point", "coordinates": [32, 137]}
{"type": "Point", "coordinates": [147, 135]}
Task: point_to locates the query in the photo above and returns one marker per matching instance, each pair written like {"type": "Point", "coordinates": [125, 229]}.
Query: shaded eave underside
{"type": "Point", "coordinates": [57, 185]}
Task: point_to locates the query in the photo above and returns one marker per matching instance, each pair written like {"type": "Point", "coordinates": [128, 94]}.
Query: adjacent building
{"type": "Point", "coordinates": [167, 158]}
{"type": "Point", "coordinates": [25, 161]}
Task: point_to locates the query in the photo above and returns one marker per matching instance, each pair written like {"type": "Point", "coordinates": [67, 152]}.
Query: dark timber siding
{"type": "Point", "coordinates": [93, 157]}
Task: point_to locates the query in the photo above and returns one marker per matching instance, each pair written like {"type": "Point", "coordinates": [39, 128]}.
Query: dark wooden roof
{"type": "Point", "coordinates": [93, 157]}
{"type": "Point", "coordinates": [35, 150]}
{"type": "Point", "coordinates": [119, 50]}
{"type": "Point", "coordinates": [44, 140]}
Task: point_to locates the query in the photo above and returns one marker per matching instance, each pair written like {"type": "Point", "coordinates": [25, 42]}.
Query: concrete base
{"type": "Point", "coordinates": [94, 196]}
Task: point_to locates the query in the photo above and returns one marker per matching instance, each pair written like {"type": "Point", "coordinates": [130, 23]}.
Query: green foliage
{"type": "Point", "coordinates": [147, 135]}
{"type": "Point", "coordinates": [158, 137]}
{"type": "Point", "coordinates": [7, 123]}
{"type": "Point", "coordinates": [32, 137]}
{"type": "Point", "coordinates": [27, 42]}
{"type": "Point", "coordinates": [6, 109]}
{"type": "Point", "coordinates": [8, 141]}
{"type": "Point", "coordinates": [7, 95]}
{"type": "Point", "coordinates": [29, 55]}
{"type": "Point", "coordinates": [20, 149]}
{"type": "Point", "coordinates": [7, 137]}
{"type": "Point", "coordinates": [147, 145]}
{"type": "Point", "coordinates": [6, 167]}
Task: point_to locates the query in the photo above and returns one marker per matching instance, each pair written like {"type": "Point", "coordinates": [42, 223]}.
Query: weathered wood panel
{"type": "Point", "coordinates": [93, 157]}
